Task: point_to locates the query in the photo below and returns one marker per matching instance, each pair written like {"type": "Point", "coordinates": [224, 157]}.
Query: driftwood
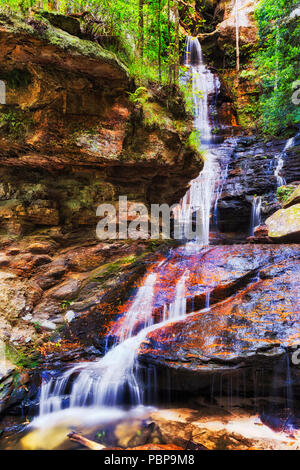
{"type": "Point", "coordinates": [92, 445]}
{"type": "Point", "coordinates": [208, 35]}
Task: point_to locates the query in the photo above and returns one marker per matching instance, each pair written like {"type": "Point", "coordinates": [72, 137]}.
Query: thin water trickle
{"type": "Point", "coordinates": [207, 299]}
{"type": "Point", "coordinates": [255, 213]}
{"type": "Point", "coordinates": [280, 163]}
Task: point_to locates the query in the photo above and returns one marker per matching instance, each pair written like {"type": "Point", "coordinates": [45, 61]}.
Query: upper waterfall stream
{"type": "Point", "coordinates": [109, 380]}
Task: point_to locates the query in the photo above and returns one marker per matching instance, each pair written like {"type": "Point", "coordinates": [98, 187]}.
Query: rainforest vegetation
{"type": "Point", "coordinates": [148, 35]}
{"type": "Point", "coordinates": [277, 60]}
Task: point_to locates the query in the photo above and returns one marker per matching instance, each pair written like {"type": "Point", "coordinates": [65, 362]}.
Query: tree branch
{"type": "Point", "coordinates": [92, 445]}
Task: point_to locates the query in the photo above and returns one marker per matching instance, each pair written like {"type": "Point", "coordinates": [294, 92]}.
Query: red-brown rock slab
{"type": "Point", "coordinates": [253, 328]}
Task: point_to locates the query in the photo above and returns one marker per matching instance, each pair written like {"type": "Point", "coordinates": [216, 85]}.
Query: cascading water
{"type": "Point", "coordinates": [280, 163]}
{"type": "Point", "coordinates": [116, 378]}
{"type": "Point", "coordinates": [199, 198]}
{"type": "Point", "coordinates": [255, 213]}
{"type": "Point", "coordinates": [105, 382]}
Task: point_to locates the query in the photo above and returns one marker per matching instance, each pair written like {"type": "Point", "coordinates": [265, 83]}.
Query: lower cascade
{"type": "Point", "coordinates": [117, 377]}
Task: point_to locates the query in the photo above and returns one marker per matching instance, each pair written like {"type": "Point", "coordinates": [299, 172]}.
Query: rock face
{"type": "Point", "coordinates": [217, 429]}
{"type": "Point", "coordinates": [291, 162]}
{"type": "Point", "coordinates": [250, 329]}
{"type": "Point", "coordinates": [218, 30]}
{"type": "Point", "coordinates": [247, 26]}
{"type": "Point", "coordinates": [70, 138]}
{"type": "Point", "coordinates": [251, 173]}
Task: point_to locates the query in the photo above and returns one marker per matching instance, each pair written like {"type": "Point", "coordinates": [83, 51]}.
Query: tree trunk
{"type": "Point", "coordinates": [237, 37]}
{"type": "Point", "coordinates": [92, 445]}
{"type": "Point", "coordinates": [176, 42]}
{"type": "Point", "coordinates": [141, 29]}
{"type": "Point", "coordinates": [159, 41]}
{"type": "Point", "coordinates": [170, 62]}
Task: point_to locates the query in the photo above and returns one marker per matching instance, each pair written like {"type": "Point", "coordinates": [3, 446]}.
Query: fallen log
{"type": "Point", "coordinates": [92, 445]}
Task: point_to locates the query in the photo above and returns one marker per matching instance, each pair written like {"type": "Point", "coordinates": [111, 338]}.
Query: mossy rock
{"type": "Point", "coordinates": [66, 23]}
{"type": "Point", "coordinates": [293, 199]}
{"type": "Point", "coordinates": [40, 27]}
{"type": "Point", "coordinates": [284, 225]}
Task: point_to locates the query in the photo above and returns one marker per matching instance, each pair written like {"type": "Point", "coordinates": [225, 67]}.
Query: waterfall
{"type": "Point", "coordinates": [280, 163]}
{"type": "Point", "coordinates": [117, 378]}
{"type": "Point", "coordinates": [255, 213]}
{"type": "Point", "coordinates": [109, 380]}
{"type": "Point", "coordinates": [199, 198]}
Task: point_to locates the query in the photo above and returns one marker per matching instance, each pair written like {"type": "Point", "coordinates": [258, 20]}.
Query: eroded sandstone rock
{"type": "Point", "coordinates": [221, 430]}
{"type": "Point", "coordinates": [251, 329]}
{"type": "Point", "coordinates": [284, 225]}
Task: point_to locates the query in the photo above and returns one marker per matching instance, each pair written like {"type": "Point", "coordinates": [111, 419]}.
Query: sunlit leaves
{"type": "Point", "coordinates": [278, 63]}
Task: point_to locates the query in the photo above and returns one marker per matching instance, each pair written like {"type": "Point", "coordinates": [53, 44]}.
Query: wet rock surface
{"type": "Point", "coordinates": [251, 173]}
{"type": "Point", "coordinates": [217, 429]}
{"type": "Point", "coordinates": [85, 278]}
{"type": "Point", "coordinates": [284, 225]}
{"type": "Point", "coordinates": [251, 329]}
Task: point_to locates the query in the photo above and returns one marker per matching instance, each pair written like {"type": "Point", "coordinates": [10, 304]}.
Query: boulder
{"type": "Point", "coordinates": [216, 429]}
{"type": "Point", "coordinates": [284, 225]}
{"type": "Point", "coordinates": [66, 291]}
{"type": "Point", "coordinates": [66, 23]}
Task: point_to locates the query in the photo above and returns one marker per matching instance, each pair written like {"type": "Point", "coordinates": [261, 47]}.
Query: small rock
{"type": "Point", "coordinates": [293, 199]}
{"type": "Point", "coordinates": [48, 325]}
{"type": "Point", "coordinates": [70, 315]}
{"type": "Point", "coordinates": [67, 291]}
{"type": "Point", "coordinates": [4, 261]}
{"type": "Point", "coordinates": [93, 350]}
{"type": "Point", "coordinates": [27, 317]}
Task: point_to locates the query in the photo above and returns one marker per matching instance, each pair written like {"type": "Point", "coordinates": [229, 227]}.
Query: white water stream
{"type": "Point", "coordinates": [280, 163]}
{"type": "Point", "coordinates": [198, 200]}
{"type": "Point", "coordinates": [255, 213]}
{"type": "Point", "coordinates": [115, 379]}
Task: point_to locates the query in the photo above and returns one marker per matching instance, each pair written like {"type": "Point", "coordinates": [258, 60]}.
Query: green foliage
{"type": "Point", "coordinates": [15, 122]}
{"type": "Point", "coordinates": [194, 141]}
{"type": "Point", "coordinates": [277, 60]}
{"type": "Point", "coordinates": [20, 357]}
{"type": "Point", "coordinates": [118, 20]}
{"type": "Point", "coordinates": [16, 78]}
{"type": "Point", "coordinates": [104, 272]}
